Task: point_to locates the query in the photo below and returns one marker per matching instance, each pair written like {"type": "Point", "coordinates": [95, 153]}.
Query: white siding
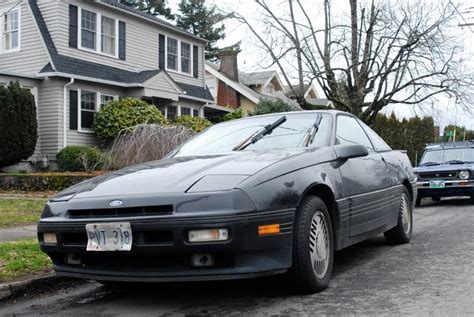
{"type": "Point", "coordinates": [32, 56]}
{"type": "Point", "coordinates": [141, 39]}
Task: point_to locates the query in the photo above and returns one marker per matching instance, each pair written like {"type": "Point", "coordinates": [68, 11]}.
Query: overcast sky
{"type": "Point", "coordinates": [252, 57]}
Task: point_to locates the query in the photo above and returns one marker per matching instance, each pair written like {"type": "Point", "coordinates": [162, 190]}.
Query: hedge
{"type": "Point", "coordinates": [38, 182]}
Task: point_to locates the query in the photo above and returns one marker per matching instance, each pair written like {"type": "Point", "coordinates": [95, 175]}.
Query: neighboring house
{"type": "Point", "coordinates": [75, 56]}
{"type": "Point", "coordinates": [310, 94]}
{"type": "Point", "coordinates": [235, 89]}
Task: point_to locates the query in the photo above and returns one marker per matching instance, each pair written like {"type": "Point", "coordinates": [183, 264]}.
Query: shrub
{"type": "Point", "coordinates": [146, 142]}
{"type": "Point", "coordinates": [122, 115]}
{"type": "Point", "coordinates": [18, 126]}
{"type": "Point", "coordinates": [79, 159]}
{"type": "Point", "coordinates": [269, 106]}
{"type": "Point", "coordinates": [196, 123]}
{"type": "Point", "coordinates": [237, 114]}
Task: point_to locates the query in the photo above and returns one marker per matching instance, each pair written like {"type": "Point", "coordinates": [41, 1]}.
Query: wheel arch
{"type": "Point", "coordinates": [324, 192]}
{"type": "Point", "coordinates": [407, 184]}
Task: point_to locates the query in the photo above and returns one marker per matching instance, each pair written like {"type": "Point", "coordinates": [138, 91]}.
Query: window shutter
{"type": "Point", "coordinates": [72, 26]}
{"type": "Point", "coordinates": [161, 51]}
{"type": "Point", "coordinates": [73, 105]}
{"type": "Point", "coordinates": [122, 43]}
{"type": "Point", "coordinates": [195, 61]}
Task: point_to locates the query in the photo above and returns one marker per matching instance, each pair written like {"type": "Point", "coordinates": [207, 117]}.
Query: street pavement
{"type": "Point", "coordinates": [432, 275]}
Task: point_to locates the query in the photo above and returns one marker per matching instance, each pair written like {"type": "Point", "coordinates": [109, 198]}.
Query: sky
{"type": "Point", "coordinates": [444, 111]}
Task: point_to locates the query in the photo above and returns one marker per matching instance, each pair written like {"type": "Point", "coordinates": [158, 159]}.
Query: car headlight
{"type": "Point", "coordinates": [215, 183]}
{"type": "Point", "coordinates": [464, 174]}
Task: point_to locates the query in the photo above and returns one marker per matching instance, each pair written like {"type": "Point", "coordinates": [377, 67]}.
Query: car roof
{"type": "Point", "coordinates": [450, 145]}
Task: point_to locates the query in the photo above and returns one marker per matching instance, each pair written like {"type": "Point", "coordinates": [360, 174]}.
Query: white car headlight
{"type": "Point", "coordinates": [464, 174]}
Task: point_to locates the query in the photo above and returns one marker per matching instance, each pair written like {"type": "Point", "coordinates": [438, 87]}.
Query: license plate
{"type": "Point", "coordinates": [437, 184]}
{"type": "Point", "coordinates": [115, 236]}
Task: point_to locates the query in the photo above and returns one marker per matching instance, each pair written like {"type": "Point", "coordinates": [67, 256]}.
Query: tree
{"type": "Point", "coordinates": [380, 53]}
{"type": "Point", "coordinates": [154, 7]}
{"type": "Point", "coordinates": [270, 106]}
{"type": "Point", "coordinates": [201, 20]}
{"type": "Point", "coordinates": [18, 126]}
{"type": "Point", "coordinates": [457, 133]}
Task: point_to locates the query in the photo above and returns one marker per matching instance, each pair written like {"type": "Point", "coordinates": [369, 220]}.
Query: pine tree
{"type": "Point", "coordinates": [154, 7]}
{"type": "Point", "coordinates": [201, 20]}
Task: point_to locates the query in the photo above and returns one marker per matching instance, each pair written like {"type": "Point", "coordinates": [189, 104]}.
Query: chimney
{"type": "Point", "coordinates": [229, 66]}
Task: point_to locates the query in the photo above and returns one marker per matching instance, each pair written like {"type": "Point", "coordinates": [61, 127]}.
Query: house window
{"type": "Point", "coordinates": [10, 29]}
{"type": "Point", "coordinates": [172, 112]}
{"type": "Point", "coordinates": [172, 56]}
{"type": "Point", "coordinates": [185, 57]}
{"type": "Point", "coordinates": [88, 108]}
{"type": "Point", "coordinates": [98, 33]}
{"type": "Point", "coordinates": [195, 113]}
{"type": "Point", "coordinates": [185, 111]}
{"type": "Point", "coordinates": [88, 29]}
{"type": "Point", "coordinates": [104, 99]}
{"type": "Point", "coordinates": [108, 36]}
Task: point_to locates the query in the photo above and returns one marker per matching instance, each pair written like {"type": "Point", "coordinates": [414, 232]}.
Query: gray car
{"type": "Point", "coordinates": [263, 195]}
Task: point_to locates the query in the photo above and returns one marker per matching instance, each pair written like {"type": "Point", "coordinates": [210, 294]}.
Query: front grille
{"type": "Point", "coordinates": [439, 175]}
{"type": "Point", "coordinates": [122, 212]}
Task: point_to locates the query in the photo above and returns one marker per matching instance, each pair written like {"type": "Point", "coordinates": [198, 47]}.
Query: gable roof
{"type": "Point", "coordinates": [256, 78]}
{"type": "Point", "coordinates": [149, 17]}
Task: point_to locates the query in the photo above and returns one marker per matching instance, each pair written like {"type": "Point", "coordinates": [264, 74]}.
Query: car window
{"type": "Point", "coordinates": [377, 141]}
{"type": "Point", "coordinates": [294, 132]}
{"type": "Point", "coordinates": [348, 131]}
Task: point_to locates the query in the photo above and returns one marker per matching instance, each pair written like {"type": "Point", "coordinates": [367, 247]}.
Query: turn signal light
{"type": "Point", "coordinates": [268, 229]}
{"type": "Point", "coordinates": [50, 238]}
{"type": "Point", "coordinates": [207, 235]}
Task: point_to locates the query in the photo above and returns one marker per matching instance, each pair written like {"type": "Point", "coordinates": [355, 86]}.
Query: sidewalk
{"type": "Point", "coordinates": [18, 233]}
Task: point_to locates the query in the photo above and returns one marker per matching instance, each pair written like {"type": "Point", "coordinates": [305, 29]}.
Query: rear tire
{"type": "Point", "coordinates": [313, 249]}
{"type": "Point", "coordinates": [402, 233]}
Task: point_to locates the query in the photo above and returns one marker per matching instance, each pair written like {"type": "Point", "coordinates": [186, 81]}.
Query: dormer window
{"type": "Point", "coordinates": [98, 33]}
{"type": "Point", "coordinates": [10, 30]}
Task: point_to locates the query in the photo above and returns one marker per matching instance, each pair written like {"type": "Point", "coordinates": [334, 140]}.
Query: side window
{"type": "Point", "coordinates": [348, 131]}
{"type": "Point", "coordinates": [377, 141]}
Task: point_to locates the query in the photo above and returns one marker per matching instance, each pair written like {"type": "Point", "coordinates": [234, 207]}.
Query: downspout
{"type": "Point", "coordinates": [65, 111]}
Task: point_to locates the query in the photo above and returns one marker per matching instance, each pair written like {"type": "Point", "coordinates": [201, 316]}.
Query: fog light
{"type": "Point", "coordinates": [207, 235]}
{"type": "Point", "coordinates": [50, 238]}
{"type": "Point", "coordinates": [203, 260]}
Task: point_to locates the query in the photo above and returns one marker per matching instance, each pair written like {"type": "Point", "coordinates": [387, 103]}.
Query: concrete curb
{"type": "Point", "coordinates": [38, 282]}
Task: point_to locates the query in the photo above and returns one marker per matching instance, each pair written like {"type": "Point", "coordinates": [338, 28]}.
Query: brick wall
{"type": "Point", "coordinates": [227, 96]}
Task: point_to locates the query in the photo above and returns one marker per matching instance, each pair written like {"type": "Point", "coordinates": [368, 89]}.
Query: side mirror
{"type": "Point", "coordinates": [345, 152]}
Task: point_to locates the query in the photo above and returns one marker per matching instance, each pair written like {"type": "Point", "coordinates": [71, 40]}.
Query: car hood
{"type": "Point", "coordinates": [174, 174]}
{"type": "Point", "coordinates": [444, 168]}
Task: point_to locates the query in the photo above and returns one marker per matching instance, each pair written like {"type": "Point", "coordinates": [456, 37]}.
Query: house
{"type": "Point", "coordinates": [75, 56]}
{"type": "Point", "coordinates": [236, 89]}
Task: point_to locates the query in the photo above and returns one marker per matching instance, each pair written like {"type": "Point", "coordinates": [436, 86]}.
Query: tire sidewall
{"type": "Point", "coordinates": [302, 257]}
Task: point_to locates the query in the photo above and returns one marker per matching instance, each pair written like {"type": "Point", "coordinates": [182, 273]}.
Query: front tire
{"type": "Point", "coordinates": [402, 233]}
{"type": "Point", "coordinates": [313, 251]}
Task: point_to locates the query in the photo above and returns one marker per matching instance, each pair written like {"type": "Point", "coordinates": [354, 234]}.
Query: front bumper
{"type": "Point", "coordinates": [452, 188]}
{"type": "Point", "coordinates": [161, 252]}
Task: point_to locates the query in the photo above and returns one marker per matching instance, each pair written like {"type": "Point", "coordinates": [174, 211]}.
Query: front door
{"type": "Point", "coordinates": [364, 179]}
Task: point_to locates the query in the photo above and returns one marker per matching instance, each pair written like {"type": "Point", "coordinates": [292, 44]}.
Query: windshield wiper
{"type": "Point", "coordinates": [314, 129]}
{"type": "Point", "coordinates": [429, 164]}
{"type": "Point", "coordinates": [454, 162]}
{"type": "Point", "coordinates": [259, 134]}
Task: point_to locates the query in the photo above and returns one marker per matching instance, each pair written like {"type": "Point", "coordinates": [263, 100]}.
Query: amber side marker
{"type": "Point", "coordinates": [463, 183]}
{"type": "Point", "coordinates": [268, 229]}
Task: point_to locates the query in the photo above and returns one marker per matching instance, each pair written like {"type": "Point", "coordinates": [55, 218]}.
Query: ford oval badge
{"type": "Point", "coordinates": [115, 203]}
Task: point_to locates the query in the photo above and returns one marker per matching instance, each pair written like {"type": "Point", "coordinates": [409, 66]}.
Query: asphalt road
{"type": "Point", "coordinates": [434, 274]}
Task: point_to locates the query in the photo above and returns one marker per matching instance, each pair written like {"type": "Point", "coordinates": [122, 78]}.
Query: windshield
{"type": "Point", "coordinates": [448, 155]}
{"type": "Point", "coordinates": [294, 132]}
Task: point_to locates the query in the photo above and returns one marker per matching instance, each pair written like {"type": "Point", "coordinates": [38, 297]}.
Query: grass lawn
{"type": "Point", "coordinates": [21, 258]}
{"type": "Point", "coordinates": [16, 212]}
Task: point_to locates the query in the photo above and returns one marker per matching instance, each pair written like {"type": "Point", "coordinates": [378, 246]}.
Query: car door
{"type": "Point", "coordinates": [364, 179]}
